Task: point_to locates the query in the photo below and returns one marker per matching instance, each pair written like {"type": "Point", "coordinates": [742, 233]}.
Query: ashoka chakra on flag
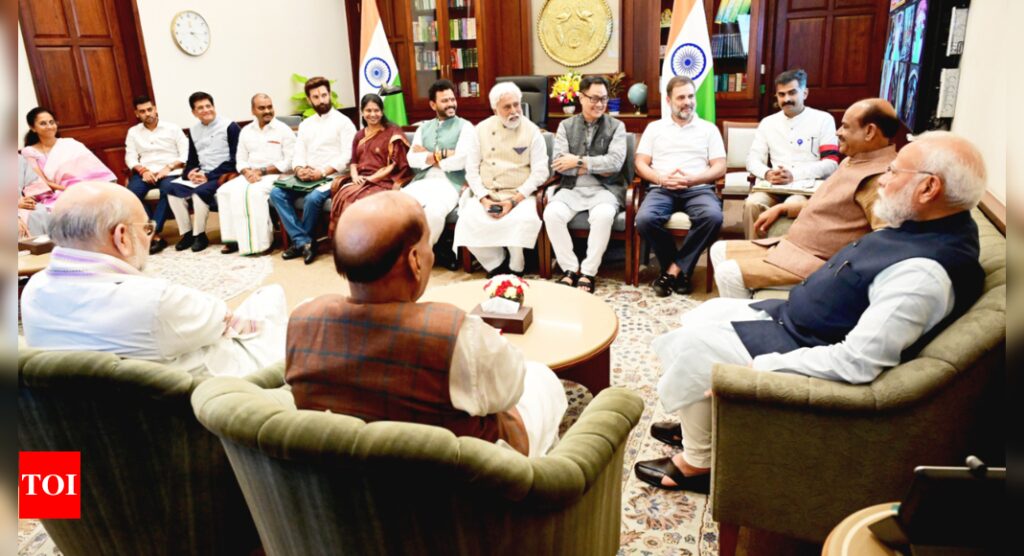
{"type": "Point", "coordinates": [377, 72]}
{"type": "Point", "coordinates": [689, 59]}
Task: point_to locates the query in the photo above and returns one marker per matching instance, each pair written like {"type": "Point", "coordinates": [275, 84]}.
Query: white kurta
{"type": "Point", "coordinates": [155, 148]}
{"type": "Point", "coordinates": [325, 142]}
{"type": "Point", "coordinates": [245, 207]}
{"type": "Point", "coordinates": [435, 192]}
{"type": "Point", "coordinates": [795, 144]}
{"type": "Point", "coordinates": [489, 375]}
{"type": "Point", "coordinates": [94, 302]}
{"type": "Point", "coordinates": [518, 228]}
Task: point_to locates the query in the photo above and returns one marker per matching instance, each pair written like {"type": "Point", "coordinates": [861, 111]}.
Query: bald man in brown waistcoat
{"type": "Point", "coordinates": [381, 356]}
{"type": "Point", "coordinates": [840, 211]}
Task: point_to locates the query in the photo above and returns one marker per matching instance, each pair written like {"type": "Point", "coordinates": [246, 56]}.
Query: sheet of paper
{"type": "Point", "coordinates": [184, 182]}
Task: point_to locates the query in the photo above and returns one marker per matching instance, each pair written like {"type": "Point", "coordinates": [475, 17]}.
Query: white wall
{"type": "Point", "coordinates": [26, 89]}
{"type": "Point", "coordinates": [256, 46]}
{"type": "Point", "coordinates": [981, 107]}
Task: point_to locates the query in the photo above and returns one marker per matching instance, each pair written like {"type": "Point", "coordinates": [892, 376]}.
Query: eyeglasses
{"type": "Point", "coordinates": [891, 170]}
{"type": "Point", "coordinates": [595, 100]}
{"type": "Point", "coordinates": [149, 227]}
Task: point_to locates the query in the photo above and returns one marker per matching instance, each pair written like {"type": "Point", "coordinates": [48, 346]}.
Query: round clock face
{"type": "Point", "coordinates": [191, 32]}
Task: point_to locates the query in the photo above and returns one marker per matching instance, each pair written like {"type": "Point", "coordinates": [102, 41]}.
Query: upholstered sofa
{"type": "Point", "coordinates": [153, 480]}
{"type": "Point", "coordinates": [323, 483]}
{"type": "Point", "coordinates": [796, 455]}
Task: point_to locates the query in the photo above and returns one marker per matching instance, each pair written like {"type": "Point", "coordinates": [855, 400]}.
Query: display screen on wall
{"type": "Point", "coordinates": [901, 67]}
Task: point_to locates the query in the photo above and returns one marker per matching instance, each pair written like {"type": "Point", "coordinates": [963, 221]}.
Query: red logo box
{"type": "Point", "coordinates": [49, 485]}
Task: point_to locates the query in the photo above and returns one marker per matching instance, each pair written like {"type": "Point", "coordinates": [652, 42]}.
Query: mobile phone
{"type": "Point", "coordinates": [494, 209]}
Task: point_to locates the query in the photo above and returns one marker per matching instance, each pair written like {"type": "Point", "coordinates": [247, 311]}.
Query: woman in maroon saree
{"type": "Point", "coordinates": [378, 160]}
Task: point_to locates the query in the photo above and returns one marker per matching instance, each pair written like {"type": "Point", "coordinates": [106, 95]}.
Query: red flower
{"type": "Point", "coordinates": [519, 290]}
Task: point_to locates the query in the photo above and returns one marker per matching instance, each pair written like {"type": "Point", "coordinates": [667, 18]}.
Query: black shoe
{"type": "Point", "coordinates": [309, 253]}
{"type": "Point", "coordinates": [229, 248]}
{"type": "Point", "coordinates": [185, 242]}
{"type": "Point", "coordinates": [518, 273]}
{"type": "Point", "coordinates": [663, 285]}
{"type": "Point", "coordinates": [682, 284]}
{"type": "Point", "coordinates": [652, 471]}
{"type": "Point", "coordinates": [293, 252]}
{"type": "Point", "coordinates": [445, 257]}
{"type": "Point", "coordinates": [157, 246]}
{"type": "Point", "coordinates": [500, 269]}
{"type": "Point", "coordinates": [669, 432]}
{"type": "Point", "coordinates": [201, 242]}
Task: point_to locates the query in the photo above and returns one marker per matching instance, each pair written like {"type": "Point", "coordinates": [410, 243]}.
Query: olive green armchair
{"type": "Point", "coordinates": [324, 483]}
{"type": "Point", "coordinates": [153, 481]}
{"type": "Point", "coordinates": [795, 455]}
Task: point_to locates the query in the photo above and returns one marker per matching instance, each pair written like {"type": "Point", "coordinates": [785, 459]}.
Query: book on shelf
{"type": "Point", "coordinates": [463, 58]}
{"type": "Point", "coordinates": [728, 44]}
{"type": "Point", "coordinates": [424, 29]}
{"type": "Point", "coordinates": [462, 29]}
{"type": "Point", "coordinates": [426, 60]}
{"type": "Point", "coordinates": [424, 5]}
{"type": "Point", "coordinates": [468, 4]}
{"type": "Point", "coordinates": [730, 82]}
{"type": "Point", "coordinates": [730, 10]}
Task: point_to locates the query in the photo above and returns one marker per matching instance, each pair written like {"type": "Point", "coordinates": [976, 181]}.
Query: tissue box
{"type": "Point", "coordinates": [37, 245]}
{"type": "Point", "coordinates": [509, 324]}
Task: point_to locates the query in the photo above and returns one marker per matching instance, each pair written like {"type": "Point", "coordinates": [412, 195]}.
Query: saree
{"type": "Point", "coordinates": [371, 151]}
{"type": "Point", "coordinates": [67, 163]}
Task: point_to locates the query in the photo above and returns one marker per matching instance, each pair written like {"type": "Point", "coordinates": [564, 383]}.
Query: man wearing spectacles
{"type": "Point", "coordinates": [588, 154]}
{"type": "Point", "coordinates": [839, 211]}
{"type": "Point", "coordinates": [93, 296]}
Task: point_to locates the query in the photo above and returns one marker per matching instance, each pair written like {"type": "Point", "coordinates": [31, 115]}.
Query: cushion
{"type": "Point", "coordinates": [678, 221]}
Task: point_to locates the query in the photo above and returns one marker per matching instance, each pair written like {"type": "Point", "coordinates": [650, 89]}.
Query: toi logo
{"type": "Point", "coordinates": [49, 485]}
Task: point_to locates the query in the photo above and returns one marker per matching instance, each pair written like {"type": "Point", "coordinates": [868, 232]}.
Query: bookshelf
{"type": "Point", "coordinates": [446, 43]}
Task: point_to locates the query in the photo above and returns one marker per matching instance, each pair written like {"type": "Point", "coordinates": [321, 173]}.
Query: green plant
{"type": "Point", "coordinates": [302, 105]}
{"type": "Point", "coordinates": [615, 81]}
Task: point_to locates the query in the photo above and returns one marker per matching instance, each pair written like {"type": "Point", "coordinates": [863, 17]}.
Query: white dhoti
{"type": "Point", "coordinates": [487, 237]}
{"type": "Point", "coordinates": [687, 355]}
{"type": "Point", "coordinates": [542, 407]}
{"type": "Point", "coordinates": [245, 213]}
{"type": "Point", "coordinates": [438, 197]}
{"type": "Point", "coordinates": [240, 355]}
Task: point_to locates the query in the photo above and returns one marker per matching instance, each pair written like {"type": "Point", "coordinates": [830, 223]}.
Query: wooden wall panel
{"type": "Point", "coordinates": [805, 43]}
{"type": "Point", "coordinates": [91, 18]}
{"type": "Point", "coordinates": [109, 102]}
{"type": "Point", "coordinates": [848, 52]}
{"type": "Point", "coordinates": [798, 5]}
{"type": "Point", "coordinates": [70, 108]}
{"type": "Point", "coordinates": [47, 19]}
{"type": "Point", "coordinates": [840, 4]}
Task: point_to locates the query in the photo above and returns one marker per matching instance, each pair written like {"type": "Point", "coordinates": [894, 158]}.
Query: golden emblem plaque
{"type": "Point", "coordinates": [574, 32]}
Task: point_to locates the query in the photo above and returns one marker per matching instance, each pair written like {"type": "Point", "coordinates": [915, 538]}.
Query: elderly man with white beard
{"type": "Point", "coordinates": [505, 163]}
{"type": "Point", "coordinates": [874, 304]}
{"type": "Point", "coordinates": [94, 296]}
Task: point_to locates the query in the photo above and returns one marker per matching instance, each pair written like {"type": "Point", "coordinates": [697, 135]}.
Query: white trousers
{"type": "Point", "coordinates": [179, 206]}
{"type": "Point", "coordinates": [601, 217]}
{"type": "Point", "coordinates": [687, 355]}
{"type": "Point", "coordinates": [728, 276]}
{"type": "Point", "coordinates": [542, 407]}
{"type": "Point", "coordinates": [438, 197]}
{"type": "Point", "coordinates": [245, 213]}
{"type": "Point", "coordinates": [491, 257]}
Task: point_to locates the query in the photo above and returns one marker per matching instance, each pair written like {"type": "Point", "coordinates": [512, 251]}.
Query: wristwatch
{"type": "Point", "coordinates": [579, 162]}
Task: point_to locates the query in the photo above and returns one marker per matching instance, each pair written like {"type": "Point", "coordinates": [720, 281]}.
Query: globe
{"type": "Point", "coordinates": [637, 95]}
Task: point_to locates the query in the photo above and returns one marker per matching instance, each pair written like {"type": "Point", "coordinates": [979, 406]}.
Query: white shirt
{"type": "Point", "coordinates": [122, 311]}
{"type": "Point", "coordinates": [691, 146]}
{"type": "Point", "coordinates": [453, 163]}
{"type": "Point", "coordinates": [795, 143]}
{"type": "Point", "coordinates": [163, 146]}
{"type": "Point", "coordinates": [539, 170]}
{"type": "Point", "coordinates": [273, 145]}
{"type": "Point", "coordinates": [487, 372]}
{"type": "Point", "coordinates": [324, 141]}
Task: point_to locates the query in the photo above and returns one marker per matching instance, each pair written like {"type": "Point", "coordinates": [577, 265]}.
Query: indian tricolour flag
{"type": "Point", "coordinates": [689, 54]}
{"type": "Point", "coordinates": [377, 67]}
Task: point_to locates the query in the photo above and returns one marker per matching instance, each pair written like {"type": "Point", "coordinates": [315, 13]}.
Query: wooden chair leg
{"type": "Point", "coordinates": [710, 275]}
{"type": "Point", "coordinates": [544, 257]}
{"type": "Point", "coordinates": [467, 260]}
{"type": "Point", "coordinates": [728, 538]}
{"type": "Point", "coordinates": [629, 260]}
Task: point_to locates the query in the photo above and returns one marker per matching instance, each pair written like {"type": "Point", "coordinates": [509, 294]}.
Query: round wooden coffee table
{"type": "Point", "coordinates": [572, 331]}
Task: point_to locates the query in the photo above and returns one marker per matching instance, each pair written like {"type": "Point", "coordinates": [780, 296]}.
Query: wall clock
{"type": "Point", "coordinates": [191, 32]}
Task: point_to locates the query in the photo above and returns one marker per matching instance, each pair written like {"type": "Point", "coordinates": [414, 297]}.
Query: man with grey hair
{"type": "Point", "coordinates": [93, 296]}
{"type": "Point", "coordinates": [876, 302]}
{"type": "Point", "coordinates": [505, 163]}
{"type": "Point", "coordinates": [265, 149]}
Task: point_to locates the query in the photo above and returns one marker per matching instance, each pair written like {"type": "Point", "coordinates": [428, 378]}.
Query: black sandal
{"type": "Point", "coordinates": [589, 286]}
{"type": "Point", "coordinates": [652, 471]}
{"type": "Point", "coordinates": [573, 278]}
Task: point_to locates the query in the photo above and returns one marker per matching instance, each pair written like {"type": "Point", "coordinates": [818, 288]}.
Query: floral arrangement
{"type": "Point", "coordinates": [566, 87]}
{"type": "Point", "coordinates": [507, 286]}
